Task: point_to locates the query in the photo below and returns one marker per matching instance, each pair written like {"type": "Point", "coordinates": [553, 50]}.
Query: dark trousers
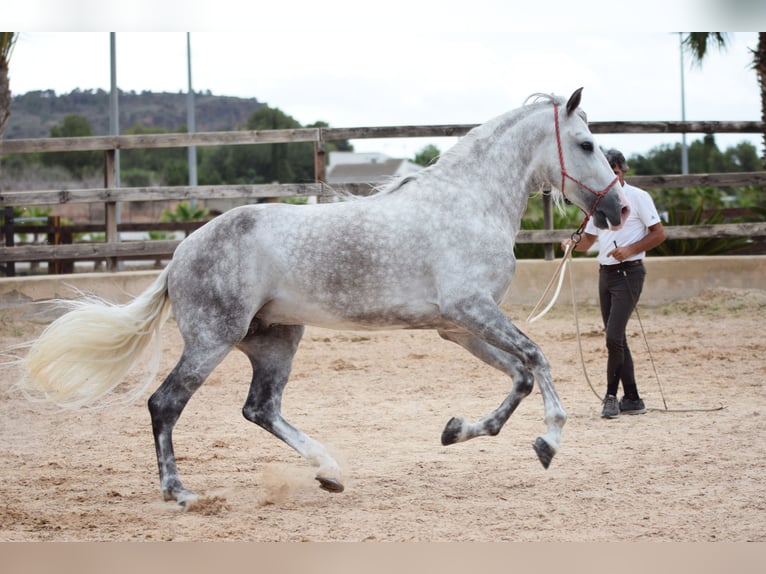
{"type": "Point", "coordinates": [619, 287]}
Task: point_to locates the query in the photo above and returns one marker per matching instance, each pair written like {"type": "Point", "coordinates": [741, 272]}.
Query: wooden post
{"type": "Point", "coordinates": [8, 228]}
{"type": "Point", "coordinates": [547, 220]}
{"type": "Point", "coordinates": [320, 164]}
{"type": "Point", "coordinates": [110, 206]}
{"type": "Point", "coordinates": [66, 238]}
{"type": "Point", "coordinates": [54, 238]}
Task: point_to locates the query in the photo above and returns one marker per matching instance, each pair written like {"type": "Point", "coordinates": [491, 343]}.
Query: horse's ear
{"type": "Point", "coordinates": [574, 101]}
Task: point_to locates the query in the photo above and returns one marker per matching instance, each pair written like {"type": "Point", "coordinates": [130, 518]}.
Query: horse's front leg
{"type": "Point", "coordinates": [458, 429]}
{"type": "Point", "coordinates": [271, 351]}
{"type": "Point", "coordinates": [485, 321]}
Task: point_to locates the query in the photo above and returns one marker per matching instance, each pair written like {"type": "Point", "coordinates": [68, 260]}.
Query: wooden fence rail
{"type": "Point", "coordinates": [164, 248]}
{"type": "Point", "coordinates": [112, 249]}
{"type": "Point", "coordinates": [284, 190]}
{"type": "Point", "coordinates": [243, 137]}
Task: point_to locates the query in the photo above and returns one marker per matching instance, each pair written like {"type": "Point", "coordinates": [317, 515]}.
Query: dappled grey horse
{"type": "Point", "coordinates": [431, 251]}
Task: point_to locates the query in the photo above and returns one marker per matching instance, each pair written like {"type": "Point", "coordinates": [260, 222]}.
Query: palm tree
{"type": "Point", "coordinates": [697, 43]}
{"type": "Point", "coordinates": [7, 40]}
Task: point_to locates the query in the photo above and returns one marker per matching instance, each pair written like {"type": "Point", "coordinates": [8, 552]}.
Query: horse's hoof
{"type": "Point", "coordinates": [452, 431]}
{"type": "Point", "coordinates": [185, 499]}
{"type": "Point", "coordinates": [329, 484]}
{"type": "Point", "coordinates": [544, 452]}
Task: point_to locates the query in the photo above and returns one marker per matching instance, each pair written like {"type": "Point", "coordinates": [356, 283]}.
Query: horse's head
{"type": "Point", "coordinates": [585, 177]}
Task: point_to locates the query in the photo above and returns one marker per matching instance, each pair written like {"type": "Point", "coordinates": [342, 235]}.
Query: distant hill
{"type": "Point", "coordinates": [34, 113]}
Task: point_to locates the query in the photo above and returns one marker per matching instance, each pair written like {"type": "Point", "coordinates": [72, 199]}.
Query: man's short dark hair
{"type": "Point", "coordinates": [616, 159]}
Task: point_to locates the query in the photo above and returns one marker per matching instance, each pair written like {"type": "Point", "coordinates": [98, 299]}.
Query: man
{"type": "Point", "coordinates": [621, 278]}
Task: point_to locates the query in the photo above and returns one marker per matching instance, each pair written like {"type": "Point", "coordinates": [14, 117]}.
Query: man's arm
{"type": "Point", "coordinates": [585, 243]}
{"type": "Point", "coordinates": [652, 239]}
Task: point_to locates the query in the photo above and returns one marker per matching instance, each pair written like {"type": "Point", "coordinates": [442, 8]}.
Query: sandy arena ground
{"type": "Point", "coordinates": [379, 401]}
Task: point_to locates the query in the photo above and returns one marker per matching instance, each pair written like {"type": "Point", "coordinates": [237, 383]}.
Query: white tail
{"type": "Point", "coordinates": [84, 354]}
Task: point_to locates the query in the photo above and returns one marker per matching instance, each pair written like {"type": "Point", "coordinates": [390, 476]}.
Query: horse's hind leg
{"type": "Point", "coordinates": [271, 351]}
{"type": "Point", "coordinates": [165, 406]}
{"type": "Point", "coordinates": [458, 429]}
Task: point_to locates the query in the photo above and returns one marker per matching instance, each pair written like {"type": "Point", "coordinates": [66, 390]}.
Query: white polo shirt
{"type": "Point", "coordinates": [643, 214]}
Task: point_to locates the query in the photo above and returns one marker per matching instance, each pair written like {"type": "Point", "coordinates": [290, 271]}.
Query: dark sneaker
{"type": "Point", "coordinates": [611, 409]}
{"type": "Point", "coordinates": [632, 406]}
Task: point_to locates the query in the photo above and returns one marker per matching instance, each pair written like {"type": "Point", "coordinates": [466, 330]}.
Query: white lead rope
{"type": "Point", "coordinates": [558, 274]}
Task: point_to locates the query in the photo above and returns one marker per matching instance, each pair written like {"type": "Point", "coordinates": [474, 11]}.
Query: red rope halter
{"type": "Point", "coordinates": [565, 175]}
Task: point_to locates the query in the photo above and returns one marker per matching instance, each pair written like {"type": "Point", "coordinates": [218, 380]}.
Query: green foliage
{"type": "Point", "coordinates": [31, 211]}
{"type": "Point", "coordinates": [253, 164]}
{"type": "Point", "coordinates": [93, 236]}
{"type": "Point", "coordinates": [427, 155]}
{"type": "Point", "coordinates": [335, 145]}
{"type": "Point", "coordinates": [15, 165]}
{"type": "Point", "coordinates": [704, 157]}
{"type": "Point", "coordinates": [702, 245]}
{"type": "Point", "coordinates": [264, 163]}
{"type": "Point", "coordinates": [284, 163]}
{"type": "Point", "coordinates": [689, 198]}
{"type": "Point", "coordinates": [294, 200]}
{"type": "Point", "coordinates": [146, 167]}
{"type": "Point", "coordinates": [696, 43]}
{"type": "Point", "coordinates": [7, 41]}
{"type": "Point", "coordinates": [28, 212]}
{"type": "Point", "coordinates": [78, 163]}
{"type": "Point", "coordinates": [742, 157]}
{"type": "Point", "coordinates": [184, 211]}
{"type": "Point", "coordinates": [136, 177]}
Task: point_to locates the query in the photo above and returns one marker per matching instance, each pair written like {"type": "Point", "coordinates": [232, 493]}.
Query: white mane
{"type": "Point", "coordinates": [538, 98]}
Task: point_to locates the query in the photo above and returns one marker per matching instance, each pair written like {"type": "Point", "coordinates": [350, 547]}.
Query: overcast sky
{"type": "Point", "coordinates": [354, 64]}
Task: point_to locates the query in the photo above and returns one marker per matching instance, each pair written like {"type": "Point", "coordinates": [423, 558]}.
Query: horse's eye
{"type": "Point", "coordinates": [587, 146]}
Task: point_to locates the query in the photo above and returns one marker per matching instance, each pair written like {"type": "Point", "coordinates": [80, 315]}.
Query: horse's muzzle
{"type": "Point", "coordinates": [611, 217]}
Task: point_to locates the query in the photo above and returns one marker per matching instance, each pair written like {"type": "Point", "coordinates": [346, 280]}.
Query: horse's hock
{"type": "Point", "coordinates": [669, 279]}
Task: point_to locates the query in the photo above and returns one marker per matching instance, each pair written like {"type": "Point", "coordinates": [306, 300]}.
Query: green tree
{"type": "Point", "coordinates": [7, 41]}
{"type": "Point", "coordinates": [144, 167]}
{"type": "Point", "coordinates": [661, 159]}
{"type": "Point", "coordinates": [704, 157]}
{"type": "Point", "coordinates": [742, 157]}
{"type": "Point", "coordinates": [335, 145]}
{"type": "Point", "coordinates": [284, 163]}
{"type": "Point", "coordinates": [78, 163]}
{"type": "Point", "coordinates": [427, 155]}
{"type": "Point", "coordinates": [698, 45]}
{"type": "Point", "coordinates": [264, 163]}
{"type": "Point", "coordinates": [707, 156]}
